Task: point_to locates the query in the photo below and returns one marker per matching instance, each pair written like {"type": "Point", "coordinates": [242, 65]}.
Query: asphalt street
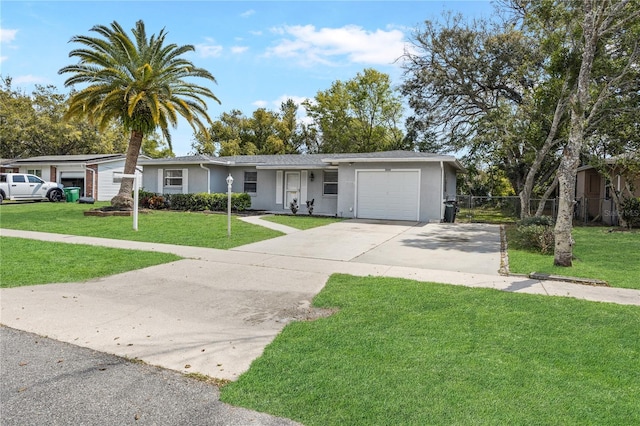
{"type": "Point", "coordinates": [46, 382]}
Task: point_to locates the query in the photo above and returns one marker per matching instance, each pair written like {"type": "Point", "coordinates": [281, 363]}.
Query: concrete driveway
{"type": "Point", "coordinates": [193, 315]}
{"type": "Point", "coordinates": [458, 247]}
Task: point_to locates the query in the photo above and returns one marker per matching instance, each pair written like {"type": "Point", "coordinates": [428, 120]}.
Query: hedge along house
{"type": "Point", "coordinates": [95, 174]}
{"type": "Point", "coordinates": [394, 185]}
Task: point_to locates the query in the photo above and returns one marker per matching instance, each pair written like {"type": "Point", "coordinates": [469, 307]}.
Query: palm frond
{"type": "Point", "coordinates": [142, 82]}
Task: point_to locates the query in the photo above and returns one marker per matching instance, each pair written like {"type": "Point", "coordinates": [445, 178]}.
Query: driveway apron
{"type": "Point", "coordinates": [192, 315]}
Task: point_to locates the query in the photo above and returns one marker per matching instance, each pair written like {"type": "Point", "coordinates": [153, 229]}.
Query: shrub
{"type": "Point", "coordinates": [204, 201]}
{"type": "Point", "coordinates": [241, 202]}
{"type": "Point", "coordinates": [537, 220]}
{"type": "Point", "coordinates": [144, 197]}
{"type": "Point", "coordinates": [157, 202]}
{"type": "Point", "coordinates": [630, 211]}
{"type": "Point", "coordinates": [536, 233]}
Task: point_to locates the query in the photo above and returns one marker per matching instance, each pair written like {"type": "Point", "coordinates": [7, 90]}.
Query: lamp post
{"type": "Point", "coordinates": [229, 183]}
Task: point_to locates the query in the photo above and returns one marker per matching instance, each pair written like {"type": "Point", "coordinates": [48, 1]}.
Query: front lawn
{"type": "Point", "coordinates": [28, 262]}
{"type": "Point", "coordinates": [301, 222]}
{"type": "Point", "coordinates": [400, 352]}
{"type": "Point", "coordinates": [156, 226]}
{"type": "Point", "coordinates": [599, 254]}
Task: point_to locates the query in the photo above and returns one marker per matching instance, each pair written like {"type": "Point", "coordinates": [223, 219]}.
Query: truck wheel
{"type": "Point", "coordinates": [55, 196]}
{"type": "Point", "coordinates": [1, 198]}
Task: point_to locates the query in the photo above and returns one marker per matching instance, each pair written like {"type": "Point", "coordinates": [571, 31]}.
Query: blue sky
{"type": "Point", "coordinates": [261, 52]}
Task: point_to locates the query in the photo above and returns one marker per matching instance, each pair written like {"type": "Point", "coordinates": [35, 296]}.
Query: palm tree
{"type": "Point", "coordinates": [139, 82]}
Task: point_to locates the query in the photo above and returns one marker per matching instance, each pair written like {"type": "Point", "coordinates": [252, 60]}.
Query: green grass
{"type": "Point", "coordinates": [181, 228]}
{"type": "Point", "coordinates": [401, 352]}
{"type": "Point", "coordinates": [301, 222]}
{"type": "Point", "coordinates": [28, 262]}
{"type": "Point", "coordinates": [485, 215]}
{"type": "Point", "coordinates": [610, 256]}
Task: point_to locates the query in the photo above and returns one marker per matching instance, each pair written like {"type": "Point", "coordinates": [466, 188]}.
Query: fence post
{"type": "Point", "coordinates": [471, 208]}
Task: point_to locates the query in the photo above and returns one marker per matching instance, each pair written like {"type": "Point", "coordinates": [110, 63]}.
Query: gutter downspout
{"type": "Point", "coordinates": [208, 177]}
{"type": "Point", "coordinates": [442, 190]}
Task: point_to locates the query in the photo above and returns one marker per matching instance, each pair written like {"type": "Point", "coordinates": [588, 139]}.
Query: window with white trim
{"type": "Point", "coordinates": [330, 182]}
{"type": "Point", "coordinates": [173, 177]}
{"type": "Point", "coordinates": [250, 182]}
{"type": "Point", "coordinates": [36, 172]}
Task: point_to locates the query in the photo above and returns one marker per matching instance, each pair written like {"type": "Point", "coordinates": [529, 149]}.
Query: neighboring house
{"type": "Point", "coordinates": [398, 185]}
{"type": "Point", "coordinates": [5, 166]}
{"type": "Point", "coordinates": [594, 200]}
{"type": "Point", "coordinates": [94, 174]}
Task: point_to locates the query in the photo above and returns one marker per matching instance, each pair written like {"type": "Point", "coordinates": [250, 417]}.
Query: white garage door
{"type": "Point", "coordinates": [388, 194]}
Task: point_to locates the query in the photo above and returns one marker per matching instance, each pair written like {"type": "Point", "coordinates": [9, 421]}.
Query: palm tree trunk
{"type": "Point", "coordinates": [124, 199]}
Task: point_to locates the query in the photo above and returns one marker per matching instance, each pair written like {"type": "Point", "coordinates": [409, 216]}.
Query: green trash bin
{"type": "Point", "coordinates": [72, 193]}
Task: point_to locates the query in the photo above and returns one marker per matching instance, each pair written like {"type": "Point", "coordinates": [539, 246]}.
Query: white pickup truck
{"type": "Point", "coordinates": [22, 186]}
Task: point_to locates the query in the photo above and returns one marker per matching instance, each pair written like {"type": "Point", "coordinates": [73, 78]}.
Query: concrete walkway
{"type": "Point", "coordinates": [215, 311]}
{"type": "Point", "coordinates": [258, 220]}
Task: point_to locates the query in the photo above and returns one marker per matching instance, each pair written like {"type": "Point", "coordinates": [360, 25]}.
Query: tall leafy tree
{"type": "Point", "coordinates": [265, 132]}
{"type": "Point", "coordinates": [226, 136]}
{"type": "Point", "coordinates": [600, 39]}
{"type": "Point", "coordinates": [360, 115]}
{"type": "Point", "coordinates": [140, 82]}
{"type": "Point", "coordinates": [155, 147]}
{"type": "Point", "coordinates": [289, 130]}
{"type": "Point", "coordinates": [32, 125]}
{"type": "Point", "coordinates": [329, 111]}
{"type": "Point", "coordinates": [483, 88]}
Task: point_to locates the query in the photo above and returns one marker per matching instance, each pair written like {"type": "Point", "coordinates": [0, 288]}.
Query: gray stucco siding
{"type": "Point", "coordinates": [150, 178]}
{"type": "Point", "coordinates": [323, 204]}
{"type": "Point", "coordinates": [431, 193]}
{"type": "Point", "coordinates": [196, 179]}
{"type": "Point", "coordinates": [218, 176]}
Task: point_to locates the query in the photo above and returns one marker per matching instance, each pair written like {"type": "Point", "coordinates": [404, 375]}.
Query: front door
{"type": "Point", "coordinates": [291, 188]}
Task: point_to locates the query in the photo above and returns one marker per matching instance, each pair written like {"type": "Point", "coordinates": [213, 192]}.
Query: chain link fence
{"type": "Point", "coordinates": [596, 211]}
{"type": "Point", "coordinates": [507, 209]}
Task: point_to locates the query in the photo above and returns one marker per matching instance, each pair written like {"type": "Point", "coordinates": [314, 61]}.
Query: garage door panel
{"type": "Point", "coordinates": [393, 194]}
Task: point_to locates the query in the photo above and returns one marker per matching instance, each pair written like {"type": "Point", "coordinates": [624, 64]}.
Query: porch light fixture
{"type": "Point", "coordinates": [312, 177]}
{"type": "Point", "coordinates": [229, 183]}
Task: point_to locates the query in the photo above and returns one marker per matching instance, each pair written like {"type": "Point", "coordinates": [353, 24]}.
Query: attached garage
{"type": "Point", "coordinates": [73, 179]}
{"type": "Point", "coordinates": [388, 194]}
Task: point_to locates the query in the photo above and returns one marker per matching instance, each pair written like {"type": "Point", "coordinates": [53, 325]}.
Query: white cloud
{"type": "Point", "coordinates": [297, 99]}
{"type": "Point", "coordinates": [28, 79]}
{"type": "Point", "coordinates": [239, 49]}
{"type": "Point", "coordinates": [260, 104]}
{"type": "Point", "coordinates": [209, 49]}
{"type": "Point", "coordinates": [3, 58]}
{"type": "Point", "coordinates": [248, 13]}
{"type": "Point", "coordinates": [275, 106]}
{"type": "Point", "coordinates": [329, 45]}
{"type": "Point", "coordinates": [7, 36]}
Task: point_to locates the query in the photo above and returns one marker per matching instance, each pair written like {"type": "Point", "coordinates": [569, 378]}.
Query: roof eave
{"type": "Point", "coordinates": [292, 167]}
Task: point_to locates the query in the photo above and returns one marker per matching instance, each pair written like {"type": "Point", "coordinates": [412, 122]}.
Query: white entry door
{"type": "Point", "coordinates": [291, 188]}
